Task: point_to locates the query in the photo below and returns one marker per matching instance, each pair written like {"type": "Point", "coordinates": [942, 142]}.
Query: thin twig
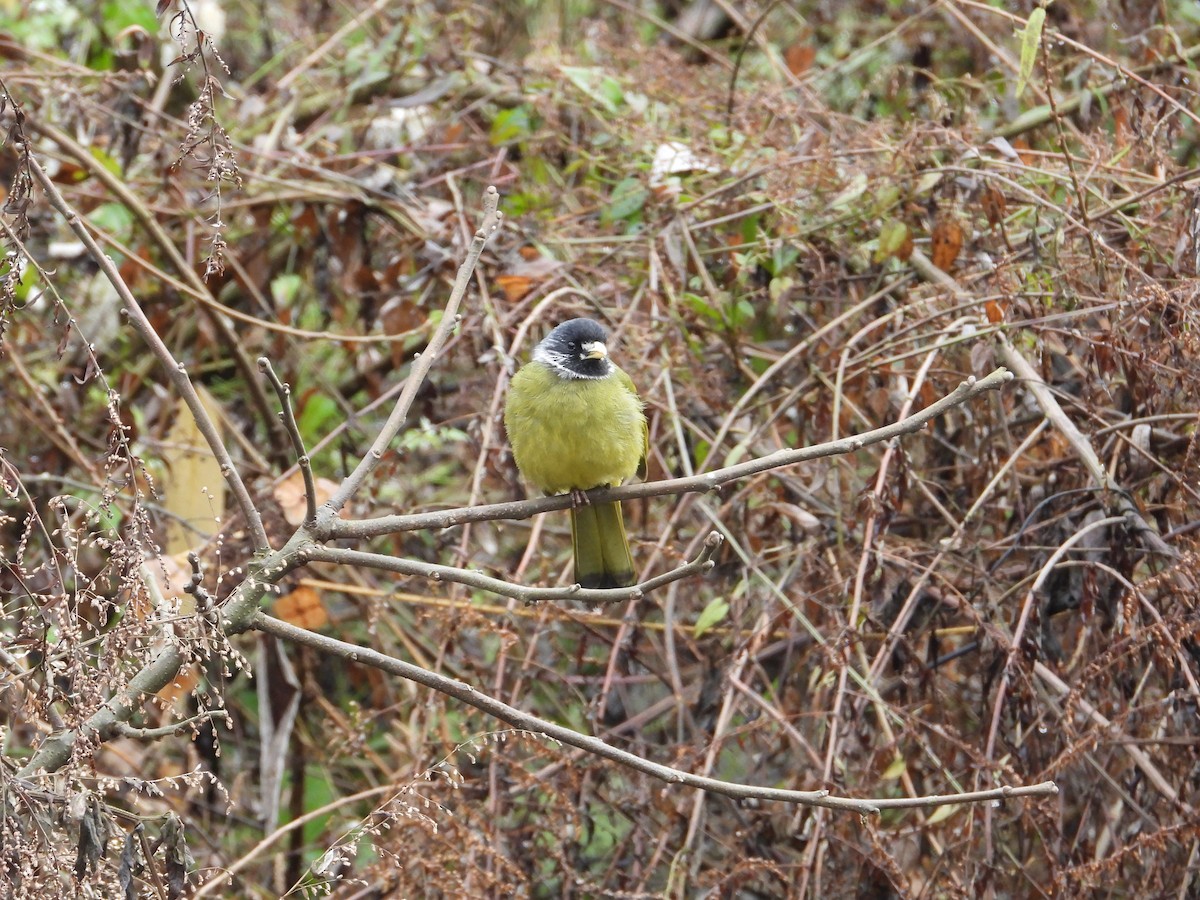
{"type": "Point", "coordinates": [152, 734]}
{"type": "Point", "coordinates": [1091, 461]}
{"type": "Point", "coordinates": [1081, 197]}
{"type": "Point", "coordinates": [175, 370]}
{"type": "Point", "coordinates": [1061, 421]}
{"type": "Point", "coordinates": [238, 612]}
{"type": "Point", "coordinates": [416, 377]}
{"type": "Point", "coordinates": [1134, 752]}
{"type": "Point", "coordinates": [1018, 634]}
{"type": "Point", "coordinates": [701, 564]}
{"type": "Point", "coordinates": [229, 338]}
{"type": "Point", "coordinates": [1035, 117]}
{"type": "Point", "coordinates": [288, 415]}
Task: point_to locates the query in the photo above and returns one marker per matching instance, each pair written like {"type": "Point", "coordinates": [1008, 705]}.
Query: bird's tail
{"type": "Point", "coordinates": [602, 558]}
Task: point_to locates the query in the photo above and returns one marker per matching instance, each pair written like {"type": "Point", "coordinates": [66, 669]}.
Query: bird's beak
{"type": "Point", "coordinates": [595, 350]}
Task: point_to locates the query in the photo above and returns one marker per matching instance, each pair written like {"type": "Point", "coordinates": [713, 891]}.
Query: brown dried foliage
{"type": "Point", "coordinates": [748, 303]}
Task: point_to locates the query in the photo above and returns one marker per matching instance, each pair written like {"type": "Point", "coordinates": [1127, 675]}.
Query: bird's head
{"type": "Point", "coordinates": [576, 349]}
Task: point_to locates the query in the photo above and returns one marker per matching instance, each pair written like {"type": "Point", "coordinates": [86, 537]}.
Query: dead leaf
{"type": "Point", "coordinates": [983, 357]}
{"type": "Point", "coordinates": [799, 58]}
{"type": "Point", "coordinates": [193, 487]}
{"type": "Point", "coordinates": [800, 517]}
{"type": "Point", "coordinates": [1121, 128]}
{"type": "Point", "coordinates": [528, 270]}
{"type": "Point", "coordinates": [994, 205]}
{"type": "Point", "coordinates": [947, 243]}
{"type": "Point", "coordinates": [289, 494]}
{"type": "Point", "coordinates": [181, 687]}
{"type": "Point", "coordinates": [400, 315]}
{"type": "Point", "coordinates": [171, 574]}
{"type": "Point", "coordinates": [302, 608]}
{"type": "Point", "coordinates": [1023, 151]}
{"type": "Point", "coordinates": [515, 287]}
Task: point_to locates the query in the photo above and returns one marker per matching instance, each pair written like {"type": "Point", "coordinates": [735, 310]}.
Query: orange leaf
{"type": "Point", "coordinates": [181, 685]}
{"type": "Point", "coordinates": [947, 243]}
{"type": "Point", "coordinates": [302, 607]}
{"type": "Point", "coordinates": [1023, 150]}
{"type": "Point", "coordinates": [514, 286]}
{"type": "Point", "coordinates": [995, 311]}
{"type": "Point", "coordinates": [1121, 128]}
{"type": "Point", "coordinates": [531, 269]}
{"type": "Point", "coordinates": [799, 58]}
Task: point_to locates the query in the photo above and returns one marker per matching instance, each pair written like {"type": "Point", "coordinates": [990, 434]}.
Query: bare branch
{"type": "Point", "coordinates": [175, 370]}
{"type": "Point", "coordinates": [465, 693]}
{"type": "Point", "coordinates": [56, 749]}
{"type": "Point", "coordinates": [288, 415]}
{"type": "Point", "coordinates": [195, 586]}
{"type": "Point", "coordinates": [424, 362]}
{"type": "Point", "coordinates": [702, 564]}
{"type": "Point", "coordinates": [238, 612]}
{"type": "Point", "coordinates": [523, 509]}
{"type": "Point", "coordinates": [151, 734]}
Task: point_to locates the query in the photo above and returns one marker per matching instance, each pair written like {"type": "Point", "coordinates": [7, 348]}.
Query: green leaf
{"type": "Point", "coordinates": [1031, 39]}
{"type": "Point", "coordinates": [610, 90]}
{"type": "Point", "coordinates": [285, 288]}
{"type": "Point", "coordinates": [941, 813]}
{"type": "Point", "coordinates": [28, 283]}
{"type": "Point", "coordinates": [887, 196]}
{"type": "Point", "coordinates": [318, 410]}
{"type": "Point", "coordinates": [703, 307]}
{"type": "Point", "coordinates": [1035, 116]}
{"type": "Point", "coordinates": [740, 313]}
{"type": "Point", "coordinates": [714, 613]}
{"type": "Point", "coordinates": [895, 769]}
{"type": "Point", "coordinates": [779, 286]}
{"type": "Point", "coordinates": [628, 198]}
{"type": "Point", "coordinates": [891, 239]}
{"type": "Point", "coordinates": [105, 159]}
{"type": "Point", "coordinates": [782, 257]}
{"type": "Point", "coordinates": [117, 15]}
{"type": "Point", "coordinates": [510, 125]}
{"type": "Point", "coordinates": [600, 87]}
{"type": "Point", "coordinates": [113, 218]}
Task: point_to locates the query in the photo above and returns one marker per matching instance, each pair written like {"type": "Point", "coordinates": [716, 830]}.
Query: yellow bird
{"type": "Point", "coordinates": [575, 422]}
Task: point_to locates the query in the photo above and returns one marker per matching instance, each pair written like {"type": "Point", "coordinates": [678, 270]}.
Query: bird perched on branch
{"type": "Point", "coordinates": [575, 422]}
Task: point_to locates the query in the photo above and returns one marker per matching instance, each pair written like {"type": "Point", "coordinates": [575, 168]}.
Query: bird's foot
{"type": "Point", "coordinates": [579, 498]}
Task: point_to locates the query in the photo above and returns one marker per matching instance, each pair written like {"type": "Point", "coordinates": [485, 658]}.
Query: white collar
{"type": "Point", "coordinates": [556, 362]}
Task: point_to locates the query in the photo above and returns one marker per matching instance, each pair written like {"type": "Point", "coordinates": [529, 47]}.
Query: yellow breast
{"type": "Point", "coordinates": [573, 433]}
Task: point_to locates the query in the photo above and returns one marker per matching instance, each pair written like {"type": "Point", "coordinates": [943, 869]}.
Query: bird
{"type": "Point", "coordinates": [575, 422]}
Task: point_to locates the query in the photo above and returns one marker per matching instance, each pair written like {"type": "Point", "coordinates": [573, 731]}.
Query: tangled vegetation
{"type": "Point", "coordinates": [332, 650]}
